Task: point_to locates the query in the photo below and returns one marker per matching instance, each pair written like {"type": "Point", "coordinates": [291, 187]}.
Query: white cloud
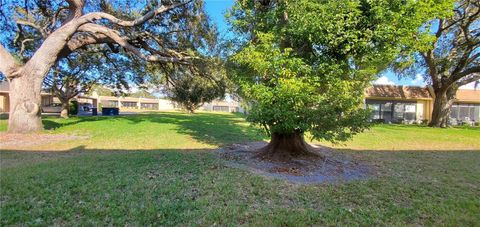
{"type": "Point", "coordinates": [383, 80]}
{"type": "Point", "coordinates": [470, 86]}
{"type": "Point", "coordinates": [418, 81]}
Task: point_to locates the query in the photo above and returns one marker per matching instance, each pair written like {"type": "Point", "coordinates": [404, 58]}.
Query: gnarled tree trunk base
{"type": "Point", "coordinates": [25, 102]}
{"type": "Point", "coordinates": [65, 108]}
{"type": "Point", "coordinates": [287, 147]}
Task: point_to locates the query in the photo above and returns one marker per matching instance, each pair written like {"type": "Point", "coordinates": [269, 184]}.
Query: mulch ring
{"type": "Point", "coordinates": [335, 168]}
{"type": "Point", "coordinates": [19, 141]}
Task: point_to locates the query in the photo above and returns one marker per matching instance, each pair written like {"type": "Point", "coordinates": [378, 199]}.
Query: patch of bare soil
{"type": "Point", "coordinates": [335, 167]}
{"type": "Point", "coordinates": [19, 141]}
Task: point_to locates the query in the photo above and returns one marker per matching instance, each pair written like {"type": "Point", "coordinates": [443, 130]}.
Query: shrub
{"type": "Point", "coordinates": [73, 109]}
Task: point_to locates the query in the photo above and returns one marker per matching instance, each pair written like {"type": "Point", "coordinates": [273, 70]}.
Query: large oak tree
{"type": "Point", "coordinates": [303, 65]}
{"type": "Point", "coordinates": [48, 30]}
{"type": "Point", "coordinates": [79, 72]}
{"type": "Point", "coordinates": [447, 49]}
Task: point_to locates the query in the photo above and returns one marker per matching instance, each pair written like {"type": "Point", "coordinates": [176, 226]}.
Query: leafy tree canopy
{"type": "Point", "coordinates": [189, 87]}
{"type": "Point", "coordinates": [446, 51]}
{"type": "Point", "coordinates": [142, 94]}
{"type": "Point", "coordinates": [303, 65]}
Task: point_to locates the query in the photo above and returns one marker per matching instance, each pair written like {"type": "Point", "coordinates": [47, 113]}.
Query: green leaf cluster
{"type": "Point", "coordinates": [304, 65]}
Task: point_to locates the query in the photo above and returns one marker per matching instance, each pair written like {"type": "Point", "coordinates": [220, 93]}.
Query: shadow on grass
{"type": "Point", "coordinates": [209, 128]}
{"type": "Point", "coordinates": [13, 158]}
{"type": "Point", "coordinates": [118, 187]}
{"type": "Point", "coordinates": [384, 158]}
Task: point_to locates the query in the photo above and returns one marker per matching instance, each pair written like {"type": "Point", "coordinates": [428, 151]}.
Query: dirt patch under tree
{"type": "Point", "coordinates": [333, 167]}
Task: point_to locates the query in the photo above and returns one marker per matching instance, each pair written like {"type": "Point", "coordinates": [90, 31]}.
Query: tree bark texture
{"type": "Point", "coordinates": [65, 108]}
{"type": "Point", "coordinates": [25, 105]}
{"type": "Point", "coordinates": [441, 108]}
{"type": "Point", "coordinates": [285, 147]}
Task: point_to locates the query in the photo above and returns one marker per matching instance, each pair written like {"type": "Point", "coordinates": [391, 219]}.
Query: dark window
{"type": "Point", "coordinates": [129, 104]}
{"type": "Point", "coordinates": [399, 111]}
{"type": "Point", "coordinates": [392, 111]}
{"type": "Point", "coordinates": [375, 108]}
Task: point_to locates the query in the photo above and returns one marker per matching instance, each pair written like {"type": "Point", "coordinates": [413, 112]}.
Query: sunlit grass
{"type": "Point", "coordinates": [413, 137]}
{"type": "Point", "coordinates": [159, 169]}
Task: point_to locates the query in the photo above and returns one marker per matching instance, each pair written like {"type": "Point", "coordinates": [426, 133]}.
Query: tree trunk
{"type": "Point", "coordinates": [285, 147]}
{"type": "Point", "coordinates": [190, 108]}
{"type": "Point", "coordinates": [441, 108]}
{"type": "Point", "coordinates": [65, 108]}
{"type": "Point", "coordinates": [25, 105]}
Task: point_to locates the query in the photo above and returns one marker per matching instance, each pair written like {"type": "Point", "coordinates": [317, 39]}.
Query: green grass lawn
{"type": "Point", "coordinates": [159, 169]}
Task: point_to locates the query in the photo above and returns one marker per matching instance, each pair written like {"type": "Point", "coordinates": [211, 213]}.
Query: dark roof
{"type": "Point", "coordinates": [396, 91]}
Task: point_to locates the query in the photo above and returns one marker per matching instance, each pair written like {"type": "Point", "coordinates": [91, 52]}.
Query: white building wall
{"type": "Point", "coordinates": [165, 104]}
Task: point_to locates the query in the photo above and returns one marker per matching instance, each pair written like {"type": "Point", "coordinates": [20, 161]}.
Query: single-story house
{"type": "Point", "coordinates": [51, 104]}
{"type": "Point", "coordinates": [409, 104]}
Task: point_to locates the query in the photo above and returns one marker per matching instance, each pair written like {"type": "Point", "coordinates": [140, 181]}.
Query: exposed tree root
{"type": "Point", "coordinates": [287, 147]}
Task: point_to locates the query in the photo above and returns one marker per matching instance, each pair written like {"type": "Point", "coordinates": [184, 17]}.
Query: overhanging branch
{"type": "Point", "coordinates": [112, 35]}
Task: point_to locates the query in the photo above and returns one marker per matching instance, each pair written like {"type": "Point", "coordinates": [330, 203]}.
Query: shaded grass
{"type": "Point", "coordinates": [158, 169]}
{"type": "Point", "coordinates": [168, 130]}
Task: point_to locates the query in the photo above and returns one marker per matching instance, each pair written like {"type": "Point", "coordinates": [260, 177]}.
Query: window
{"type": "Point", "coordinates": [380, 109]}
{"type": "Point", "coordinates": [454, 112]}
{"type": "Point", "coordinates": [410, 112]}
{"type": "Point", "coordinates": [375, 110]}
{"type": "Point", "coordinates": [129, 104]}
{"type": "Point", "coordinates": [398, 114]}
{"type": "Point", "coordinates": [392, 111]}
{"type": "Point", "coordinates": [465, 112]}
{"type": "Point", "coordinates": [221, 108]}
{"type": "Point", "coordinates": [386, 111]}
{"type": "Point", "coordinates": [149, 106]}
{"type": "Point", "coordinates": [405, 111]}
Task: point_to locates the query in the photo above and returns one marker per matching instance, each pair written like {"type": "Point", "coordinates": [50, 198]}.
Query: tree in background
{"type": "Point", "coordinates": [191, 92]}
{"type": "Point", "coordinates": [67, 84]}
{"type": "Point", "coordinates": [79, 72]}
{"type": "Point", "coordinates": [100, 90]}
{"type": "Point", "coordinates": [303, 65]}
{"type": "Point", "coordinates": [142, 94]}
{"type": "Point", "coordinates": [191, 88]}
{"type": "Point", "coordinates": [37, 34]}
{"type": "Point", "coordinates": [447, 49]}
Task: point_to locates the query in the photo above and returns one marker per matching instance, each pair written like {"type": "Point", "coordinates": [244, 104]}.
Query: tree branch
{"type": "Point", "coordinates": [123, 42]}
{"type": "Point", "coordinates": [469, 80]}
{"type": "Point", "coordinates": [75, 8]}
{"type": "Point", "coordinates": [136, 22]}
{"type": "Point", "coordinates": [22, 48]}
{"type": "Point", "coordinates": [8, 65]}
{"type": "Point", "coordinates": [32, 25]}
{"type": "Point", "coordinates": [428, 57]}
{"type": "Point", "coordinates": [466, 72]}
